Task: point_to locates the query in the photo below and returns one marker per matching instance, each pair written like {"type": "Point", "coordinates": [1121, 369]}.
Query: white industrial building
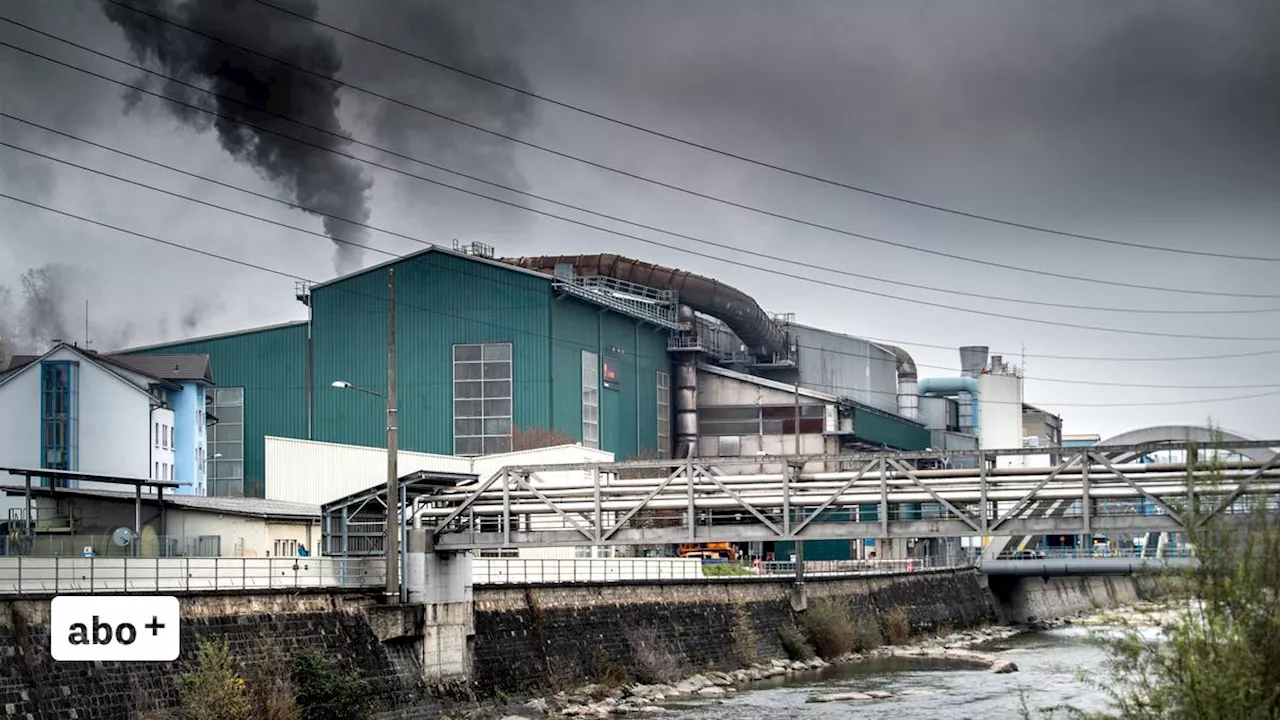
{"type": "Point", "coordinates": [314, 473]}
{"type": "Point", "coordinates": [75, 409]}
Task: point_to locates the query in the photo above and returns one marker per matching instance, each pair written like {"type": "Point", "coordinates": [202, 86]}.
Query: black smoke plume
{"type": "Point", "coordinates": [314, 178]}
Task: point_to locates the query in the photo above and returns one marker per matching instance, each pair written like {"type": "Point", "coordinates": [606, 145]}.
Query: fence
{"type": "Point", "coordinates": [49, 546]}
{"type": "Point", "coordinates": [496, 571]}
{"type": "Point", "coordinates": [56, 575]}
{"type": "Point", "coordinates": [824, 568]}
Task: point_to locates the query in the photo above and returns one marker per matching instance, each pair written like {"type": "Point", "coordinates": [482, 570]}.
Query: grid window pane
{"type": "Point", "coordinates": [226, 441]}
{"type": "Point", "coordinates": [482, 391]}
{"type": "Point", "coordinates": [664, 414]}
{"type": "Point", "coordinates": [590, 399]}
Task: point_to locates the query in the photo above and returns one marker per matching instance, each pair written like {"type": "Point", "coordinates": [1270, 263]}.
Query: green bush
{"type": "Point", "coordinates": [829, 624]}
{"type": "Point", "coordinates": [725, 570]}
{"type": "Point", "coordinates": [897, 626]}
{"type": "Point", "coordinates": [324, 693]}
{"type": "Point", "coordinates": [794, 643]}
{"type": "Point", "coordinates": [214, 689]}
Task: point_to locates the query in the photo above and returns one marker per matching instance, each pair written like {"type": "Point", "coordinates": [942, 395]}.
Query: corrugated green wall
{"type": "Point", "coordinates": [878, 428]}
{"type": "Point", "coordinates": [441, 300]}
{"type": "Point", "coordinates": [270, 365]}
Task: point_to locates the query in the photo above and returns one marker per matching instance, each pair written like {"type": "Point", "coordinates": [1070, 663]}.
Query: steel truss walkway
{"type": "Point", "coordinates": [882, 495]}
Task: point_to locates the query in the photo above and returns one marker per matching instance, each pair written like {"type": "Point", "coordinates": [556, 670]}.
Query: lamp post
{"type": "Point", "coordinates": [392, 538]}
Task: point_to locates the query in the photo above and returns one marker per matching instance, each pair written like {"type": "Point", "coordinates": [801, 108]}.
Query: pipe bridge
{"type": "Point", "coordinates": [874, 495]}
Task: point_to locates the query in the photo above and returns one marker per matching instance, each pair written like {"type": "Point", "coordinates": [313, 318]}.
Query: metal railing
{"type": "Point", "coordinates": [835, 568]}
{"type": "Point", "coordinates": [73, 575]}
{"type": "Point", "coordinates": [103, 545]}
{"type": "Point", "coordinates": [498, 571]}
{"type": "Point", "coordinates": [1090, 554]}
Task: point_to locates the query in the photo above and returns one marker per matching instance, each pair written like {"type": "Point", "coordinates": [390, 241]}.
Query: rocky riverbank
{"type": "Point", "coordinates": [602, 701]}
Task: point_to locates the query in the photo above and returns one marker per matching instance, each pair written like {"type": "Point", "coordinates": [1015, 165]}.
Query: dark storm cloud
{"type": "Point", "coordinates": [315, 179]}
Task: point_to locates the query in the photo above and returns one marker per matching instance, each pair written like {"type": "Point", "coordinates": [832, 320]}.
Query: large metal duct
{"type": "Point", "coordinates": [973, 360]}
{"type": "Point", "coordinates": [762, 336]}
{"type": "Point", "coordinates": [908, 395]}
{"type": "Point", "coordinates": [951, 387]}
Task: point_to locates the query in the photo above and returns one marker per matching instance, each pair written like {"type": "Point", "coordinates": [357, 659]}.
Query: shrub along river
{"type": "Point", "coordinates": [1049, 663]}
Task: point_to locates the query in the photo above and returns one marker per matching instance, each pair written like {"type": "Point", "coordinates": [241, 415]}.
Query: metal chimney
{"type": "Point", "coordinates": [973, 359]}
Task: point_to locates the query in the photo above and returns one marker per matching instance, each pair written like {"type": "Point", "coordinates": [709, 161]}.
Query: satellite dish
{"type": "Point", "coordinates": [122, 537]}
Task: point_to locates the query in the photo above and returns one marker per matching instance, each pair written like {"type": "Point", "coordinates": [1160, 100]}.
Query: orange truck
{"type": "Point", "coordinates": [710, 551]}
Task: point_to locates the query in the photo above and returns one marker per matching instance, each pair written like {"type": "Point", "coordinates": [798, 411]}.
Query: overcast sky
{"type": "Point", "coordinates": [1152, 122]}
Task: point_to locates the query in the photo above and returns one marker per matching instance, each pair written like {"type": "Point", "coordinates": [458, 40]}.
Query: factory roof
{"type": "Point", "coordinates": [246, 507]}
{"type": "Point", "coordinates": [772, 384]}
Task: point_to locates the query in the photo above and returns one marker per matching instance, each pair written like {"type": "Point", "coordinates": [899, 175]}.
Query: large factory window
{"type": "Point", "coordinates": [224, 452]}
{"type": "Point", "coordinates": [759, 420]}
{"type": "Point", "coordinates": [664, 415]}
{"type": "Point", "coordinates": [482, 395]}
{"type": "Point", "coordinates": [590, 400]}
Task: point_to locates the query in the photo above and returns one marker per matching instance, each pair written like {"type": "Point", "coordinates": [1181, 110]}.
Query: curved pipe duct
{"type": "Point", "coordinates": [908, 393]}
{"type": "Point", "coordinates": [735, 308]}
{"type": "Point", "coordinates": [949, 387]}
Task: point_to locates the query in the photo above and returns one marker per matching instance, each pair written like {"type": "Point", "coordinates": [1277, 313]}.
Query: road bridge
{"type": "Point", "coordinates": [877, 495]}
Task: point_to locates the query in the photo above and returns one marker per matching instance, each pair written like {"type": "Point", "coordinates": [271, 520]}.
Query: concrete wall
{"type": "Point", "coordinates": [261, 629]}
{"type": "Point", "coordinates": [529, 636]}
{"type": "Point", "coordinates": [1031, 599]}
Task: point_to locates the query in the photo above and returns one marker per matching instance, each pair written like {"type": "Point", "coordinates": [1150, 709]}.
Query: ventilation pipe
{"type": "Point", "coordinates": [908, 394]}
{"type": "Point", "coordinates": [973, 360]}
{"type": "Point", "coordinates": [752, 325]}
{"type": "Point", "coordinates": [951, 387]}
{"type": "Point", "coordinates": [686, 387]}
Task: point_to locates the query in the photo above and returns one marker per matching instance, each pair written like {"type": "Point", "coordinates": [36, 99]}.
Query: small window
{"type": "Point", "coordinates": [286, 548]}
{"type": "Point", "coordinates": [171, 443]}
{"type": "Point", "coordinates": [156, 474]}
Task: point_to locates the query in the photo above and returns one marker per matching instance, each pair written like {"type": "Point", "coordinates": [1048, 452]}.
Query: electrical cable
{"type": "Point", "coordinates": [742, 206]}
{"type": "Point", "coordinates": [299, 278]}
{"type": "Point", "coordinates": [678, 249]}
{"type": "Point", "coordinates": [812, 266]}
{"type": "Point", "coordinates": [663, 136]}
{"type": "Point", "coordinates": [395, 255]}
{"type": "Point", "coordinates": [708, 148]}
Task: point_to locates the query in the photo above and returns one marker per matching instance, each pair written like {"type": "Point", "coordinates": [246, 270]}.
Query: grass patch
{"type": "Point", "coordinates": [725, 570]}
{"type": "Point", "coordinates": [213, 689]}
{"type": "Point", "coordinates": [897, 626]}
{"type": "Point", "coordinates": [745, 651]}
{"type": "Point", "coordinates": [652, 659]}
{"type": "Point", "coordinates": [324, 693]}
{"type": "Point", "coordinates": [829, 624]}
{"type": "Point", "coordinates": [794, 643]}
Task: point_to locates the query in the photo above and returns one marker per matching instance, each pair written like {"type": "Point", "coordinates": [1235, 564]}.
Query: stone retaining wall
{"type": "Point", "coordinates": [530, 637]}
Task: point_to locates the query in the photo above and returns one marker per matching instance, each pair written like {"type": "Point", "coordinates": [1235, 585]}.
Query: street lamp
{"type": "Point", "coordinates": [392, 539]}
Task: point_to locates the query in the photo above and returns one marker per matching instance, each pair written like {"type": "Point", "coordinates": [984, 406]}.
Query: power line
{"type": "Point", "coordinates": [707, 148]}
{"type": "Point", "coordinates": [705, 196]}
{"type": "Point", "coordinates": [262, 268]}
{"type": "Point", "coordinates": [688, 237]}
{"type": "Point", "coordinates": [637, 238]}
{"type": "Point", "coordinates": [389, 253]}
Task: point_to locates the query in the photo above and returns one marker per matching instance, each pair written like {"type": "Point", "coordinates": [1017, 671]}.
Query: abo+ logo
{"type": "Point", "coordinates": [140, 628]}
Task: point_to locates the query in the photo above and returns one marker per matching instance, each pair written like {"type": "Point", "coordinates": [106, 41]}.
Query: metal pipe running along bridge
{"type": "Point", "coordinates": [787, 498]}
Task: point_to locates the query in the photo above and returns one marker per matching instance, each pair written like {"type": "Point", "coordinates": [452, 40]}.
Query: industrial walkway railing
{"type": "Point", "coordinates": [500, 571]}
{"type": "Point", "coordinates": [73, 575]}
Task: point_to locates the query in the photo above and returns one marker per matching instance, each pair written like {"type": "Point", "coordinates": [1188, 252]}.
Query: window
{"type": "Point", "coordinates": [171, 437]}
{"type": "Point", "coordinates": [482, 393]}
{"type": "Point", "coordinates": [156, 474]}
{"type": "Point", "coordinates": [224, 451]}
{"type": "Point", "coordinates": [590, 400]}
{"type": "Point", "coordinates": [286, 548]}
{"type": "Point", "coordinates": [59, 416]}
{"type": "Point", "coordinates": [664, 414]}
{"type": "Point", "coordinates": [156, 441]}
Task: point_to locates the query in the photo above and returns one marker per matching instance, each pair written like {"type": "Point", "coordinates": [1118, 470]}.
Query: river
{"type": "Point", "coordinates": [1048, 664]}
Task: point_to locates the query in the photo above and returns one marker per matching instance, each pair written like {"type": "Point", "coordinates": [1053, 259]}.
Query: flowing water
{"type": "Point", "coordinates": [1048, 661]}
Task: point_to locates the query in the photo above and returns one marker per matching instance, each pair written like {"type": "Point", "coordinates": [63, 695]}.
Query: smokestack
{"type": "Point", "coordinates": [973, 360]}
{"type": "Point", "coordinates": [311, 177]}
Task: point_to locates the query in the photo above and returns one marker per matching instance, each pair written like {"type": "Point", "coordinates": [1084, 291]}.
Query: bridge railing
{"type": "Point", "coordinates": [499, 571]}
{"type": "Point", "coordinates": [1090, 554]}
{"type": "Point", "coordinates": [830, 568]}
{"type": "Point", "coordinates": [74, 575]}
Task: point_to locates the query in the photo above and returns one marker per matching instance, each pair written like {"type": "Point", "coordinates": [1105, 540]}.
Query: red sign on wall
{"type": "Point", "coordinates": [609, 374]}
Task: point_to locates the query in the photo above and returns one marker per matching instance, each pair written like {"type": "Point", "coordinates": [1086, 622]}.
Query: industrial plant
{"type": "Point", "coordinates": [496, 355]}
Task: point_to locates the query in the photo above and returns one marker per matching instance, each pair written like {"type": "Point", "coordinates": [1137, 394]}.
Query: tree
{"type": "Point", "coordinates": [1220, 655]}
{"type": "Point", "coordinates": [531, 438]}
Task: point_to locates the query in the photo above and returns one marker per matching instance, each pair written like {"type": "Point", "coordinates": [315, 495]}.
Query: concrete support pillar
{"type": "Point", "coordinates": [415, 576]}
{"type": "Point", "coordinates": [450, 615]}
